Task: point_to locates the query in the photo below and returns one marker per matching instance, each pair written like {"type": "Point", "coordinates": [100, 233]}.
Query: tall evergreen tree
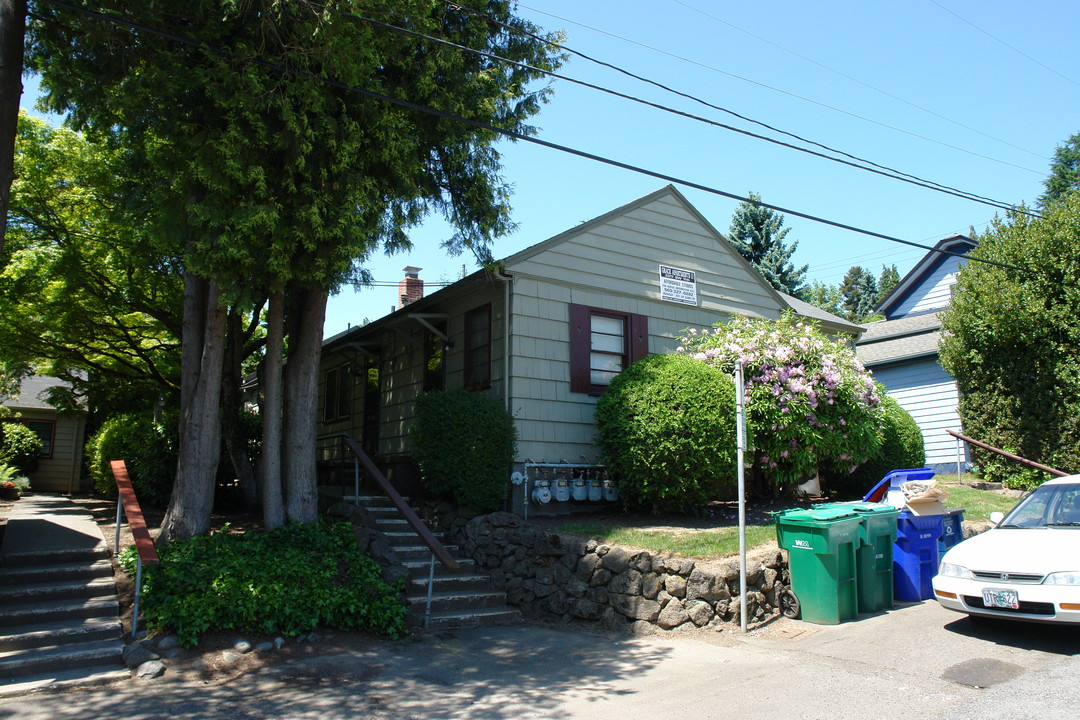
{"type": "Point", "coordinates": [758, 234]}
{"type": "Point", "coordinates": [860, 292]}
{"type": "Point", "coordinates": [889, 278]}
{"type": "Point", "coordinates": [1064, 172]}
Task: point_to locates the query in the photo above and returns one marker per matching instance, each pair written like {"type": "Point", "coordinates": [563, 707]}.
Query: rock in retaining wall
{"type": "Point", "coordinates": [564, 578]}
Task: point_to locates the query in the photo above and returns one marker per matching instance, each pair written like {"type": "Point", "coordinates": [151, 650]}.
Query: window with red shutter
{"type": "Point", "coordinates": [602, 343]}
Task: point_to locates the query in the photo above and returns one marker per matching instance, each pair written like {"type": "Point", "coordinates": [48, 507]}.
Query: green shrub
{"type": "Point", "coordinates": [19, 446]}
{"type": "Point", "coordinates": [286, 581]}
{"type": "Point", "coordinates": [901, 448]}
{"type": "Point", "coordinates": [666, 427]}
{"type": "Point", "coordinates": [464, 443]}
{"type": "Point", "coordinates": [149, 450]}
{"type": "Point", "coordinates": [11, 474]}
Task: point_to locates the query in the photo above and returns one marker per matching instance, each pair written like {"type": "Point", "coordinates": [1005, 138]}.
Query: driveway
{"type": "Point", "coordinates": [917, 661]}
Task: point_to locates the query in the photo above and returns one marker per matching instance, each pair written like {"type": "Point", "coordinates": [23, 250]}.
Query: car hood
{"type": "Point", "coordinates": [1027, 550]}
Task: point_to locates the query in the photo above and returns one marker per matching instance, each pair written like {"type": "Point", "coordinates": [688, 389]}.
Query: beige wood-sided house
{"type": "Point", "coordinates": [62, 435]}
{"type": "Point", "coordinates": [544, 333]}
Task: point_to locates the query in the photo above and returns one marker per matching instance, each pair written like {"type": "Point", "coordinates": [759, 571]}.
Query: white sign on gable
{"type": "Point", "coordinates": [678, 285]}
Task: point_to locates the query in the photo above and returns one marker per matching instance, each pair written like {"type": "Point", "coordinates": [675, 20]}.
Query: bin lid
{"type": "Point", "coordinates": [866, 508]}
{"type": "Point", "coordinates": [817, 517]}
{"type": "Point", "coordinates": [895, 479]}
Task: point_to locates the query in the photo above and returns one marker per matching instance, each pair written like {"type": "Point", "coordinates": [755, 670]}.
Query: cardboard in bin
{"type": "Point", "coordinates": [926, 506]}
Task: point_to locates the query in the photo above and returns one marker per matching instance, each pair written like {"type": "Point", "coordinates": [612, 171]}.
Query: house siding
{"type": "Point", "coordinates": [933, 293]}
{"type": "Point", "coordinates": [62, 471]}
{"type": "Point", "coordinates": [929, 393]}
{"type": "Point", "coordinates": [612, 266]}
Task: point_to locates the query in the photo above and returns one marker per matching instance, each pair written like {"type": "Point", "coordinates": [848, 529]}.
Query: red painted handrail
{"type": "Point", "coordinates": [136, 523]}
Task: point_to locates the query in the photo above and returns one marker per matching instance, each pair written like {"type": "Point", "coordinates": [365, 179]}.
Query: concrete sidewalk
{"type": "Point", "coordinates": [49, 524]}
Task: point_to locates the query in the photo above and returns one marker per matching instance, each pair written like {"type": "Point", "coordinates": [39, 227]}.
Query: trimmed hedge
{"type": "Point", "coordinates": [464, 443]}
{"type": "Point", "coordinates": [667, 431]}
{"type": "Point", "coordinates": [149, 449]}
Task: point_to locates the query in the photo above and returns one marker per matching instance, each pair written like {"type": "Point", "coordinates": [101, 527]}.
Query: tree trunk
{"type": "Point", "coordinates": [202, 352]}
{"type": "Point", "coordinates": [12, 34]}
{"type": "Point", "coordinates": [301, 405]}
{"type": "Point", "coordinates": [270, 411]}
{"type": "Point", "coordinates": [232, 405]}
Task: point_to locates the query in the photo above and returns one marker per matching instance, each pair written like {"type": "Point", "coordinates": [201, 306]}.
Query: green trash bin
{"type": "Point", "coordinates": [874, 556]}
{"type": "Point", "coordinates": [821, 546]}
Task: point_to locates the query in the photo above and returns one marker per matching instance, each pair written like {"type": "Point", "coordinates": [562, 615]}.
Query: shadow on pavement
{"type": "Point", "coordinates": [1058, 639]}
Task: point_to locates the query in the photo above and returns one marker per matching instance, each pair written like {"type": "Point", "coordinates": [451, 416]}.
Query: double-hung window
{"type": "Point", "coordinates": [602, 343]}
{"type": "Point", "coordinates": [478, 348]}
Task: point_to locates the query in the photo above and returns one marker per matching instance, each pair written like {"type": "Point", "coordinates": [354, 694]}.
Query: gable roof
{"type": "Point", "coordinates": [32, 392]}
{"type": "Point", "coordinates": [907, 338]}
{"type": "Point", "coordinates": [954, 244]}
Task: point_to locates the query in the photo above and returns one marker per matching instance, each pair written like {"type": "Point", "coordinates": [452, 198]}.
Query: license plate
{"type": "Point", "coordinates": [1001, 599]}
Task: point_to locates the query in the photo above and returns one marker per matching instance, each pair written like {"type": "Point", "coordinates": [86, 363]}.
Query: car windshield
{"type": "Point", "coordinates": [1047, 506]}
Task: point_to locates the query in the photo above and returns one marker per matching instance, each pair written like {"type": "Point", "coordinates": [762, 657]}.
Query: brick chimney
{"type": "Point", "coordinates": [411, 287]}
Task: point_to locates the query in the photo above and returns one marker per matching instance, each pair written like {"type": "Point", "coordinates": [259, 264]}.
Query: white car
{"type": "Point", "coordinates": [1027, 567]}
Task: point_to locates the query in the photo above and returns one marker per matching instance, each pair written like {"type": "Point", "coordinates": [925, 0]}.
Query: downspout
{"type": "Point", "coordinates": [507, 282]}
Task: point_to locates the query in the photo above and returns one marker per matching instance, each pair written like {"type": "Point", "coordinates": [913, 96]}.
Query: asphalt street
{"type": "Point", "coordinates": [915, 661]}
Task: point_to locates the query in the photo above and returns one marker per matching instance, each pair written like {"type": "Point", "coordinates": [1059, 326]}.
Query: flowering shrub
{"type": "Point", "coordinates": [810, 403]}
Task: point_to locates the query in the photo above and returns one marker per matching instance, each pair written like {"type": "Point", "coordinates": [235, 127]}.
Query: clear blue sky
{"type": "Point", "coordinates": [974, 94]}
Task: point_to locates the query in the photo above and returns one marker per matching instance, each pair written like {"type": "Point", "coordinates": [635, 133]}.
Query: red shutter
{"type": "Point", "coordinates": [580, 343]}
{"type": "Point", "coordinates": [639, 337]}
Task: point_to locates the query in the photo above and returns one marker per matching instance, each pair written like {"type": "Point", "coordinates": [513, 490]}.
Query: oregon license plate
{"type": "Point", "coordinates": [1001, 599]}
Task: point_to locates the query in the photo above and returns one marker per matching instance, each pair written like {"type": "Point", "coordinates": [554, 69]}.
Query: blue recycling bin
{"type": "Point", "coordinates": [952, 531]}
{"type": "Point", "coordinates": [915, 555]}
{"type": "Point", "coordinates": [893, 481]}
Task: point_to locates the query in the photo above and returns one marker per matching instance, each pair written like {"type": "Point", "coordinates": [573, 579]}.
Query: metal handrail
{"type": "Point", "coordinates": [128, 504]}
{"type": "Point", "coordinates": [436, 547]}
{"type": "Point", "coordinates": [1004, 453]}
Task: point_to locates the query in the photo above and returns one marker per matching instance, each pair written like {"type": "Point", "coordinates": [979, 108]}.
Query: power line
{"type": "Point", "coordinates": [276, 67]}
{"type": "Point", "coordinates": [999, 40]}
{"type": "Point", "coordinates": [781, 91]}
{"type": "Point", "coordinates": [856, 80]}
{"type": "Point", "coordinates": [876, 168]}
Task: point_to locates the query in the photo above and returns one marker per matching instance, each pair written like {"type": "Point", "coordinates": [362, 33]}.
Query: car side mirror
{"type": "Point", "coordinates": [996, 517]}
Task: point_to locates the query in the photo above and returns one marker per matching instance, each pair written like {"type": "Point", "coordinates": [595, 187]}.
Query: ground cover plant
{"type": "Point", "coordinates": [286, 581]}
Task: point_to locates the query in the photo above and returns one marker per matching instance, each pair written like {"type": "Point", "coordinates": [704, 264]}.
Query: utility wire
{"type": "Point", "coordinates": [780, 90]}
{"type": "Point", "coordinates": [997, 39]}
{"type": "Point", "coordinates": [276, 67]}
{"type": "Point", "coordinates": [876, 168]}
{"type": "Point", "coordinates": [857, 80]}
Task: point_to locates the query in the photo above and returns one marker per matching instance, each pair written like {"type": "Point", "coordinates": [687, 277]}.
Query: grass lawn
{"type": "Point", "coordinates": [723, 541]}
{"type": "Point", "coordinates": [689, 543]}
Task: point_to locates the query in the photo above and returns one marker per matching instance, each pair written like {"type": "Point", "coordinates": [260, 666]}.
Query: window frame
{"type": "Point", "coordinates": [636, 329]}
{"type": "Point", "coordinates": [479, 355]}
{"type": "Point", "coordinates": [337, 394]}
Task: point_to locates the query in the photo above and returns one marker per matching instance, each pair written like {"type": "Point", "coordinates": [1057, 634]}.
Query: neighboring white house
{"type": "Point", "coordinates": [902, 350]}
{"type": "Point", "coordinates": [62, 435]}
{"type": "Point", "coordinates": [545, 332]}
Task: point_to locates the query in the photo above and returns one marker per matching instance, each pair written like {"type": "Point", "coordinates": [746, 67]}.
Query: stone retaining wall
{"type": "Point", "coordinates": [563, 578]}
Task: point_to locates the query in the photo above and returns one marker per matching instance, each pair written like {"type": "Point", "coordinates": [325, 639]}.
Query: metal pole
{"type": "Point", "coordinates": [958, 460]}
{"type": "Point", "coordinates": [119, 508]}
{"type": "Point", "coordinates": [138, 591]}
{"type": "Point", "coordinates": [430, 586]}
{"type": "Point", "coordinates": [356, 483]}
{"type": "Point", "coordinates": [740, 440]}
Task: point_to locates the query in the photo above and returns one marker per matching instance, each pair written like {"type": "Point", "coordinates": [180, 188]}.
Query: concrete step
{"type": "Point", "coordinates": [409, 537]}
{"type": "Point", "coordinates": [36, 613]}
{"type": "Point", "coordinates": [452, 582]}
{"type": "Point", "coordinates": [470, 618]}
{"type": "Point", "coordinates": [378, 501]}
{"type": "Point", "coordinates": [419, 552]}
{"type": "Point", "coordinates": [55, 557]}
{"type": "Point", "coordinates": [57, 590]}
{"type": "Point", "coordinates": [14, 663]}
{"type": "Point", "coordinates": [63, 680]}
{"type": "Point", "coordinates": [61, 632]}
{"type": "Point", "coordinates": [61, 571]}
{"type": "Point", "coordinates": [419, 568]}
{"type": "Point", "coordinates": [457, 600]}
